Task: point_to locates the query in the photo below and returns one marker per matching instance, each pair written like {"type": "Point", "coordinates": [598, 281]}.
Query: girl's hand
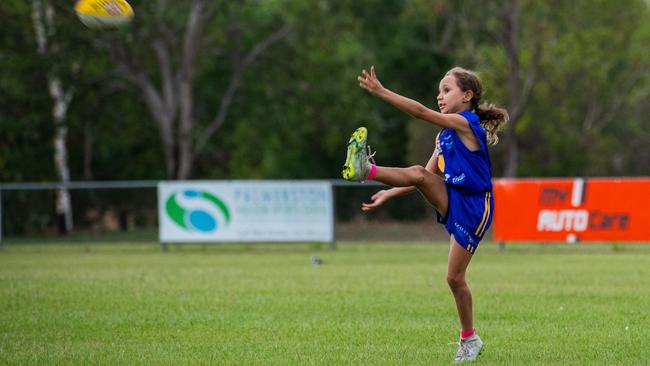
{"type": "Point", "coordinates": [369, 81]}
{"type": "Point", "coordinates": [377, 200]}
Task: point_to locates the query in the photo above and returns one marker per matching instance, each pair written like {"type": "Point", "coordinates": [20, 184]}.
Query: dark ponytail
{"type": "Point", "coordinates": [492, 118]}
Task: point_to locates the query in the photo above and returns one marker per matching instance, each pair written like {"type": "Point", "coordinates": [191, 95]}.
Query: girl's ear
{"type": "Point", "coordinates": [468, 95]}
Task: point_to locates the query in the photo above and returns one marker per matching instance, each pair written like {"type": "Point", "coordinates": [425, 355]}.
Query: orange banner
{"type": "Point", "coordinates": [592, 209]}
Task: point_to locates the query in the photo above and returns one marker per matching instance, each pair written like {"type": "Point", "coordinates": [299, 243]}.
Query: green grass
{"type": "Point", "coordinates": [368, 304]}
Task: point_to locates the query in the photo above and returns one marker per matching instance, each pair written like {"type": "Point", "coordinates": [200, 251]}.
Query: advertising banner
{"type": "Point", "coordinates": [251, 211]}
{"type": "Point", "coordinates": [594, 209]}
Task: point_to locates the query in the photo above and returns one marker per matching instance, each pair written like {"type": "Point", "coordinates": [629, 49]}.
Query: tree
{"type": "Point", "coordinates": [306, 100]}
{"type": "Point", "coordinates": [44, 31]}
{"type": "Point", "coordinates": [169, 91]}
{"type": "Point", "coordinates": [25, 127]}
{"type": "Point", "coordinates": [519, 82]}
{"type": "Point", "coordinates": [507, 48]}
{"type": "Point", "coordinates": [595, 77]}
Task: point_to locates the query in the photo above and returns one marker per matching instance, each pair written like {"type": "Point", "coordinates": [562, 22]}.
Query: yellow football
{"type": "Point", "coordinates": [104, 13]}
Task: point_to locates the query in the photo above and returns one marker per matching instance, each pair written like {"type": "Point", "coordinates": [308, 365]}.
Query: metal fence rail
{"type": "Point", "coordinates": [27, 209]}
{"type": "Point", "coordinates": [30, 186]}
{"type": "Point", "coordinates": [135, 184]}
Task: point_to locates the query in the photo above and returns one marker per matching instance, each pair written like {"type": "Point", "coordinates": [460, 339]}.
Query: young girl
{"type": "Point", "coordinates": [463, 198]}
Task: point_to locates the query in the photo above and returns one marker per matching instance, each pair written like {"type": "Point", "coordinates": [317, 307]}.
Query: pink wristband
{"type": "Point", "coordinates": [373, 171]}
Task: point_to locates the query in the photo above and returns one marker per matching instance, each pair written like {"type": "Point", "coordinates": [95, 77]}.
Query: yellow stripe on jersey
{"type": "Point", "coordinates": [441, 159]}
{"type": "Point", "coordinates": [489, 213]}
{"type": "Point", "coordinates": [486, 220]}
{"type": "Point", "coordinates": [486, 215]}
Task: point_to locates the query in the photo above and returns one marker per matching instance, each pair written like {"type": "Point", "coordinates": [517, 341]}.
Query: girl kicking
{"type": "Point", "coordinates": [463, 196]}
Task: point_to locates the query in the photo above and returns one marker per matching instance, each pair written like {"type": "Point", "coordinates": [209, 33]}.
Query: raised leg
{"type": "Point", "coordinates": [430, 185]}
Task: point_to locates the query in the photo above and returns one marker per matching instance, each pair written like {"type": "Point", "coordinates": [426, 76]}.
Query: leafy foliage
{"type": "Point", "coordinates": [299, 100]}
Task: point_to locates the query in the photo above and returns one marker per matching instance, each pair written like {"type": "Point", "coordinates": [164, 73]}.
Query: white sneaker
{"type": "Point", "coordinates": [468, 349]}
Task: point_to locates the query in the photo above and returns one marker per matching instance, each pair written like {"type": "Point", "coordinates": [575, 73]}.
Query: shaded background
{"type": "Point", "coordinates": [267, 89]}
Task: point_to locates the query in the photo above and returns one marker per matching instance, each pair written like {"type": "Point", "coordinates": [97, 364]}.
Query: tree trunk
{"type": "Point", "coordinates": [43, 20]}
{"type": "Point", "coordinates": [519, 87]}
{"type": "Point", "coordinates": [169, 145]}
{"type": "Point", "coordinates": [511, 29]}
{"type": "Point", "coordinates": [512, 156]}
{"type": "Point", "coordinates": [185, 148]}
{"type": "Point", "coordinates": [61, 103]}
{"type": "Point", "coordinates": [187, 72]}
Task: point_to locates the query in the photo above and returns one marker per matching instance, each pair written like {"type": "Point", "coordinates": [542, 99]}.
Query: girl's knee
{"type": "Point", "coordinates": [455, 281]}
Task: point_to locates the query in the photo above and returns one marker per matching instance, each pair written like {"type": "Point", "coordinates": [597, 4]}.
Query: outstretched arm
{"type": "Point", "coordinates": [384, 195]}
{"type": "Point", "coordinates": [370, 82]}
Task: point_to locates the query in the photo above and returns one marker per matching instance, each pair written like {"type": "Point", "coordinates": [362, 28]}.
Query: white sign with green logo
{"type": "Point", "coordinates": [212, 211]}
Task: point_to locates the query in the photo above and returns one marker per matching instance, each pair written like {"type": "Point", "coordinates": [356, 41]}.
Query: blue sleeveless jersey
{"type": "Point", "coordinates": [468, 171]}
{"type": "Point", "coordinates": [469, 185]}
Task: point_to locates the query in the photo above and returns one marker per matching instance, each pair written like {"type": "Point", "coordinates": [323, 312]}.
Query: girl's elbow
{"type": "Point", "coordinates": [420, 112]}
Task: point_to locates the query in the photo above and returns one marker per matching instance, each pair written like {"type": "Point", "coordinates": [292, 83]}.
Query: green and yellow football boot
{"type": "Point", "coordinates": [358, 162]}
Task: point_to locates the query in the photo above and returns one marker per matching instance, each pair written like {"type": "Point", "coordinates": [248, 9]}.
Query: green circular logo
{"type": "Point", "coordinates": [196, 219]}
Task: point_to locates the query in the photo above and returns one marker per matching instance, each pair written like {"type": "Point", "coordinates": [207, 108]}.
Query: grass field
{"type": "Point", "coordinates": [367, 304]}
